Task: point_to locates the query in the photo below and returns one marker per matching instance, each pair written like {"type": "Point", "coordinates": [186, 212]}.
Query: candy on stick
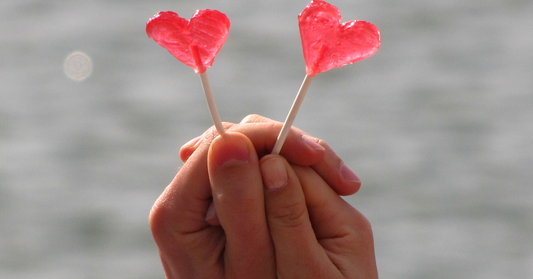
{"type": "Point", "coordinates": [327, 43]}
{"type": "Point", "coordinates": [195, 43]}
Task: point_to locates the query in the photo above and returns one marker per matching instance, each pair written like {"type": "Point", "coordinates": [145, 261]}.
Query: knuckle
{"type": "Point", "coordinates": [364, 225]}
{"type": "Point", "coordinates": [161, 218]}
{"type": "Point", "coordinates": [290, 215]}
{"type": "Point", "coordinates": [157, 219]}
{"type": "Point", "coordinates": [156, 224]}
{"type": "Point", "coordinates": [361, 226]}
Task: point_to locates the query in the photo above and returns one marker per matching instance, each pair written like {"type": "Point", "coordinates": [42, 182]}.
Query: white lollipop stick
{"type": "Point", "coordinates": [211, 104]}
{"type": "Point", "coordinates": [207, 90]}
{"type": "Point", "coordinates": [292, 114]}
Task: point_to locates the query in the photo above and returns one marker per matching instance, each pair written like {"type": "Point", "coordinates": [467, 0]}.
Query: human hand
{"type": "Point", "coordinates": [263, 133]}
{"type": "Point", "coordinates": [191, 246]}
{"type": "Point", "coordinates": [316, 234]}
{"type": "Point", "coordinates": [241, 247]}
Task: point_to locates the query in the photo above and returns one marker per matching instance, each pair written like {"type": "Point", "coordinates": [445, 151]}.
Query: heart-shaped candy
{"type": "Point", "coordinates": [329, 44]}
{"type": "Point", "coordinates": [195, 42]}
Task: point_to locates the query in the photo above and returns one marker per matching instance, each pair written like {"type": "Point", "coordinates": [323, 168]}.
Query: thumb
{"type": "Point", "coordinates": [238, 199]}
{"type": "Point", "coordinates": [298, 253]}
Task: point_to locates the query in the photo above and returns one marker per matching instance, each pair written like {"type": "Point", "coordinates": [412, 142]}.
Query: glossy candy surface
{"type": "Point", "coordinates": [196, 42]}
{"type": "Point", "coordinates": [329, 44]}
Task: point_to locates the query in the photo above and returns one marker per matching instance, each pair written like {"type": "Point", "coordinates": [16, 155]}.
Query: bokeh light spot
{"type": "Point", "coordinates": [78, 66]}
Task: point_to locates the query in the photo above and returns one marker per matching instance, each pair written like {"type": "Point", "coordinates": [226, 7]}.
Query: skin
{"type": "Point", "coordinates": [234, 211]}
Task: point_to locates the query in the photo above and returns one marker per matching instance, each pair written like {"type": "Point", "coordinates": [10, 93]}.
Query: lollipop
{"type": "Point", "coordinates": [327, 43]}
{"type": "Point", "coordinates": [195, 43]}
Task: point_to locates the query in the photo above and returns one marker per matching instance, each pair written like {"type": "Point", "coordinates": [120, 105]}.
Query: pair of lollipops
{"type": "Point", "coordinates": [327, 43]}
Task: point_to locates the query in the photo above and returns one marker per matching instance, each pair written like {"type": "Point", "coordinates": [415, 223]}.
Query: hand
{"type": "Point", "coordinates": [190, 246]}
{"type": "Point", "coordinates": [316, 234]}
{"type": "Point", "coordinates": [263, 132]}
{"type": "Point", "coordinates": [242, 247]}
{"type": "Point", "coordinates": [299, 148]}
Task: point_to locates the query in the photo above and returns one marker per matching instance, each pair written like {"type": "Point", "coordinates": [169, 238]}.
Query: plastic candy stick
{"type": "Point", "coordinates": [292, 114]}
{"type": "Point", "coordinates": [195, 43]}
{"type": "Point", "coordinates": [327, 43]}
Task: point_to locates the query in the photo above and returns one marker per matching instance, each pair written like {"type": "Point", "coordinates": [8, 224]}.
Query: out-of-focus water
{"type": "Point", "coordinates": [438, 124]}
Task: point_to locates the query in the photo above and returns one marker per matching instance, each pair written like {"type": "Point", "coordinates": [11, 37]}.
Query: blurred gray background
{"type": "Point", "coordinates": [437, 124]}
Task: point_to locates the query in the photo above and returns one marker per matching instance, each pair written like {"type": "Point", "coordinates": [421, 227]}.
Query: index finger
{"type": "Point", "coordinates": [332, 169]}
{"type": "Point", "coordinates": [299, 148]}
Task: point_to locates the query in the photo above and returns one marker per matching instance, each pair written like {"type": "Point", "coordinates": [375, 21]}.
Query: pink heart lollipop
{"type": "Point", "coordinates": [207, 31]}
{"type": "Point", "coordinates": [328, 44]}
{"type": "Point", "coordinates": [196, 43]}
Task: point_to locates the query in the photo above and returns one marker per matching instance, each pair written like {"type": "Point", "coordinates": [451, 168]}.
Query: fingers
{"type": "Point", "coordinates": [188, 148]}
{"type": "Point", "coordinates": [298, 253]}
{"type": "Point", "coordinates": [238, 198]}
{"type": "Point", "coordinates": [186, 199]}
{"type": "Point", "coordinates": [298, 149]}
{"type": "Point", "coordinates": [342, 230]}
{"type": "Point", "coordinates": [332, 169]}
{"type": "Point", "coordinates": [255, 118]}
{"type": "Point", "coordinates": [336, 174]}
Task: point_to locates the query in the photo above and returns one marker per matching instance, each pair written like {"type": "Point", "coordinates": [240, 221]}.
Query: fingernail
{"type": "Point", "coordinates": [210, 212]}
{"type": "Point", "coordinates": [348, 174]}
{"type": "Point", "coordinates": [274, 173]}
{"type": "Point", "coordinates": [245, 120]}
{"type": "Point", "coordinates": [312, 143]}
{"type": "Point", "coordinates": [190, 147]}
{"type": "Point", "coordinates": [230, 151]}
{"type": "Point", "coordinates": [194, 141]}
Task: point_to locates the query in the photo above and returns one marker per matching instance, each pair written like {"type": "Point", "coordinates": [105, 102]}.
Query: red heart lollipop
{"type": "Point", "coordinates": [195, 42]}
{"type": "Point", "coordinates": [329, 44]}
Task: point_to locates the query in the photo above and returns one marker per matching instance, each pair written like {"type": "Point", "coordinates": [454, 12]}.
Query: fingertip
{"type": "Point", "coordinates": [348, 175]}
{"type": "Point", "coordinates": [230, 149]}
{"type": "Point", "coordinates": [185, 153]}
{"type": "Point", "coordinates": [247, 119]}
{"type": "Point", "coordinates": [189, 147]}
{"type": "Point", "coordinates": [347, 188]}
{"type": "Point", "coordinates": [211, 215]}
{"type": "Point", "coordinates": [336, 173]}
{"type": "Point", "coordinates": [350, 181]}
{"type": "Point", "coordinates": [255, 118]}
{"type": "Point", "coordinates": [274, 172]}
